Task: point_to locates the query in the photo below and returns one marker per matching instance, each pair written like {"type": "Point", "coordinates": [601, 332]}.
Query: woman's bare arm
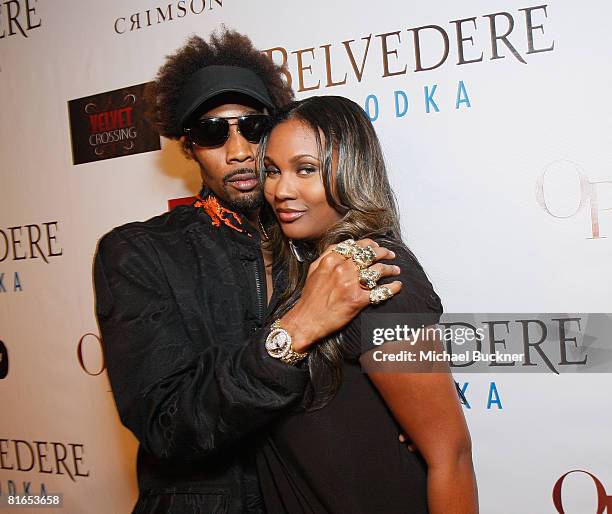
{"type": "Point", "coordinates": [427, 407]}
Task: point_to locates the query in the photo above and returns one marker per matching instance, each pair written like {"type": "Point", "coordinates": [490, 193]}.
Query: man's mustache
{"type": "Point", "coordinates": [240, 171]}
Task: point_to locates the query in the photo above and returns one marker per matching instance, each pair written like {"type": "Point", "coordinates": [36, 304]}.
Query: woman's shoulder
{"type": "Point", "coordinates": [418, 293]}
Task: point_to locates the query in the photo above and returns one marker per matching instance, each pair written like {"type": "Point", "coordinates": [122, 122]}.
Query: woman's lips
{"type": "Point", "coordinates": [287, 216]}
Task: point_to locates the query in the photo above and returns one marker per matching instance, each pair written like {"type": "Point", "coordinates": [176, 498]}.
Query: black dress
{"type": "Point", "coordinates": [346, 458]}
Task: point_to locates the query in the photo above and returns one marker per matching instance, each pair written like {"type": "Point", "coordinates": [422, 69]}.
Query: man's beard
{"type": "Point", "coordinates": [242, 202]}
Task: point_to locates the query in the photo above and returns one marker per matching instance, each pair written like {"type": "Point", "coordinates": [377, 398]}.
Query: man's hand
{"type": "Point", "coordinates": [332, 295]}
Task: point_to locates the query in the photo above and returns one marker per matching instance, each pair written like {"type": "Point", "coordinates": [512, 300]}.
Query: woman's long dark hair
{"type": "Point", "coordinates": [361, 194]}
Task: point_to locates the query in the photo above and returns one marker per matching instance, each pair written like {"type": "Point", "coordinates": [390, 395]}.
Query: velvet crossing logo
{"type": "Point", "coordinates": [111, 124]}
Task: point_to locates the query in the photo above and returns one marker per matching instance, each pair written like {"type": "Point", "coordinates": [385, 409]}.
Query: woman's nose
{"type": "Point", "coordinates": [285, 187]}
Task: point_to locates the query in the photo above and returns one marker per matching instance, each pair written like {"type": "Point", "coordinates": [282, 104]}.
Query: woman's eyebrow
{"type": "Point", "coordinates": [293, 159]}
{"type": "Point", "coordinates": [301, 156]}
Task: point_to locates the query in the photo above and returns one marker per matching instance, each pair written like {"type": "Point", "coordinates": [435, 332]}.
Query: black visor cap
{"type": "Point", "coordinates": [212, 81]}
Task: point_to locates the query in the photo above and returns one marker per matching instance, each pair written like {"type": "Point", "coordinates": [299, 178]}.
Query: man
{"type": "Point", "coordinates": [181, 298]}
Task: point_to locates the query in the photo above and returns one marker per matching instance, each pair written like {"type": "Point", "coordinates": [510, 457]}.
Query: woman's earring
{"type": "Point", "coordinates": [295, 252]}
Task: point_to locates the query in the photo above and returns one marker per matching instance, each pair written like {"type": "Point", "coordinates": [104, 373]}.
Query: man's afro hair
{"type": "Point", "coordinates": [228, 48]}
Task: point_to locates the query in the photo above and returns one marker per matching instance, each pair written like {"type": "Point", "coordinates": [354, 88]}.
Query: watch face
{"type": "Point", "coordinates": [277, 342]}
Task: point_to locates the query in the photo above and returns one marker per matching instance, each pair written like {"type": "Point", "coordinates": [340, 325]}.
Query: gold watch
{"type": "Point", "coordinates": [278, 345]}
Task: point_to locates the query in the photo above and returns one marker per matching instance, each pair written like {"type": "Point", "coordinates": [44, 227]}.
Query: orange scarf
{"type": "Point", "coordinates": [217, 213]}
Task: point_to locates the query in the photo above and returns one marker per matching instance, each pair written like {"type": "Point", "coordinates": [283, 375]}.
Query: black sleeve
{"type": "Point", "coordinates": [416, 305]}
{"type": "Point", "coordinates": [179, 401]}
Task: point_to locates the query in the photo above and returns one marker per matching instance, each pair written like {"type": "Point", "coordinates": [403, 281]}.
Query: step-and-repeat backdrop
{"type": "Point", "coordinates": [495, 117]}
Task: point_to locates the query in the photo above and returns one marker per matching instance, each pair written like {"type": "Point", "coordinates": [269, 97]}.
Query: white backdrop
{"type": "Point", "coordinates": [490, 195]}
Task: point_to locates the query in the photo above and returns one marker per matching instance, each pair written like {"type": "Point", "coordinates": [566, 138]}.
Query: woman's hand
{"type": "Point", "coordinates": [332, 295]}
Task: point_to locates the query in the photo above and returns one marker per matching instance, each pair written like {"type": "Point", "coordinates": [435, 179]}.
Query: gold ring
{"type": "Point", "coordinates": [379, 294]}
{"type": "Point", "coordinates": [363, 257]}
{"type": "Point", "coordinates": [346, 248]}
{"type": "Point", "coordinates": [368, 278]}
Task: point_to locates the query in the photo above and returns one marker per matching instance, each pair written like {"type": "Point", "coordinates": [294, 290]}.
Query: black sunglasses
{"type": "Point", "coordinates": [208, 132]}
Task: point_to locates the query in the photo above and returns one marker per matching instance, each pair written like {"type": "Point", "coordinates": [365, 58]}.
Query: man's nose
{"type": "Point", "coordinates": [237, 148]}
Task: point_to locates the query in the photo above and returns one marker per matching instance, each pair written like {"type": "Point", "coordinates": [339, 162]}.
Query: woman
{"type": "Point", "coordinates": [343, 451]}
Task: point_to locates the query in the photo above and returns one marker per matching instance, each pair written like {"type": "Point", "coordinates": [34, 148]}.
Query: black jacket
{"type": "Point", "coordinates": [180, 304]}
